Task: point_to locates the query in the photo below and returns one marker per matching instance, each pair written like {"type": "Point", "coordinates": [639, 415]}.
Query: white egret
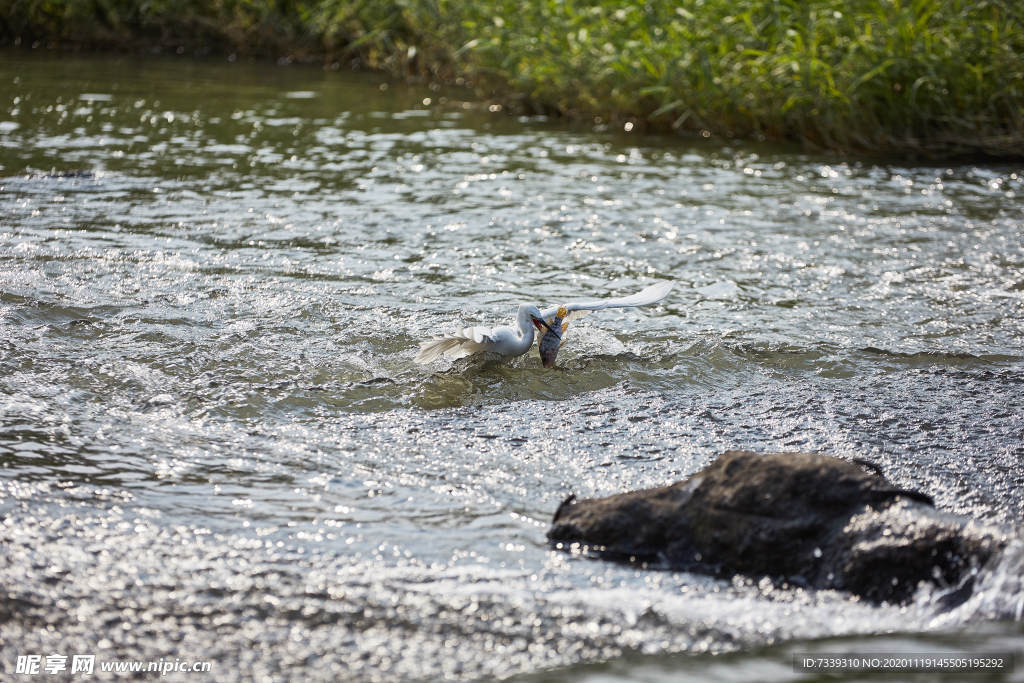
{"type": "Point", "coordinates": [515, 341]}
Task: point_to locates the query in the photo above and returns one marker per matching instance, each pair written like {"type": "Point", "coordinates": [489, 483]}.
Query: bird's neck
{"type": "Point", "coordinates": [526, 331]}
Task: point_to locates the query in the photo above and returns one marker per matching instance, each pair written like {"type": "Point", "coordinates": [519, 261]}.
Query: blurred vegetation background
{"type": "Point", "coordinates": [931, 78]}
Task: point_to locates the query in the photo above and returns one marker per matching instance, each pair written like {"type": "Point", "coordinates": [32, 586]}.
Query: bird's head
{"type": "Point", "coordinates": [543, 327]}
{"type": "Point", "coordinates": [532, 313]}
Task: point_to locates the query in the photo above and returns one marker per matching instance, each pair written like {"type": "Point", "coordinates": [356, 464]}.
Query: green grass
{"type": "Point", "coordinates": [936, 78]}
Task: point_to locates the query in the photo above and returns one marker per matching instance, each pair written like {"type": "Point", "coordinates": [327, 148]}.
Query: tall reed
{"type": "Point", "coordinates": [935, 77]}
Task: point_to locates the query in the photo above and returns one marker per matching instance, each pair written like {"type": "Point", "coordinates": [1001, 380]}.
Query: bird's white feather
{"type": "Point", "coordinates": [465, 342]}
{"type": "Point", "coordinates": [578, 309]}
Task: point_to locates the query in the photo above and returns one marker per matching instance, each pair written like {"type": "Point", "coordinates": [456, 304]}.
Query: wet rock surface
{"type": "Point", "coordinates": [806, 518]}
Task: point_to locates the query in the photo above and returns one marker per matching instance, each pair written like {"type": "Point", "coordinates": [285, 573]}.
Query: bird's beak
{"type": "Point", "coordinates": [539, 322]}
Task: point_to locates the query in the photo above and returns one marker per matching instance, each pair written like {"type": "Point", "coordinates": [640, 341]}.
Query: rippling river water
{"type": "Point", "coordinates": [215, 445]}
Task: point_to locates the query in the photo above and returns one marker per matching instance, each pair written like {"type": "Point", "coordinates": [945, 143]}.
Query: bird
{"type": "Point", "coordinates": [512, 341]}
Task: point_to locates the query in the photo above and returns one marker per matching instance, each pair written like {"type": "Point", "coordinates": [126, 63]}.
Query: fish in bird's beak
{"type": "Point", "coordinates": [552, 339]}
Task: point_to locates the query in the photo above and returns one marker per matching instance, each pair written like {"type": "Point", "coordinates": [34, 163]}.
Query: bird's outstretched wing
{"type": "Point", "coordinates": [465, 342]}
{"type": "Point", "coordinates": [578, 309]}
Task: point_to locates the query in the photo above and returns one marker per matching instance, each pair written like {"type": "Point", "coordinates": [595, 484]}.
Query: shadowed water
{"type": "Point", "coordinates": [214, 443]}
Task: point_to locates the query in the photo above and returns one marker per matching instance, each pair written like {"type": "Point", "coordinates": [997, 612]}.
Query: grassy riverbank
{"type": "Point", "coordinates": [936, 77]}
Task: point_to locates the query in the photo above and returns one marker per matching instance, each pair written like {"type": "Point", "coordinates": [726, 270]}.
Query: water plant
{"type": "Point", "coordinates": [933, 77]}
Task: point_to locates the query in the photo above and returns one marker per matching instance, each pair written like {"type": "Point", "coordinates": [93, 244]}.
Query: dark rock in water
{"type": "Point", "coordinates": [809, 519]}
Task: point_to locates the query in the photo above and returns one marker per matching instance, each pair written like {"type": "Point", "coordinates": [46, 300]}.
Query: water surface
{"type": "Point", "coordinates": [214, 442]}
